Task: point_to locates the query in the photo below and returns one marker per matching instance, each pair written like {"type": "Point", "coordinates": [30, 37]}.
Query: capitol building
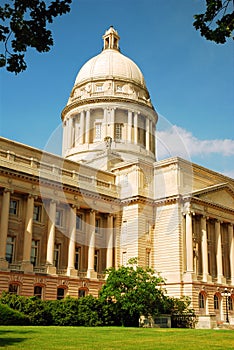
{"type": "Point", "coordinates": [107, 199]}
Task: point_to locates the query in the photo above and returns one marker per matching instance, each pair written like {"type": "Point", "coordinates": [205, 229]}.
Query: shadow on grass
{"type": "Point", "coordinates": [10, 339]}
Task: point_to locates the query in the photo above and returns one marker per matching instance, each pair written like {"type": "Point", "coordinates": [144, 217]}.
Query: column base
{"type": "Point", "coordinates": [26, 266]}
{"type": "Point", "coordinates": [221, 280]}
{"type": "Point", "coordinates": [206, 278]}
{"type": "Point", "coordinates": [91, 274]}
{"type": "Point", "coordinates": [71, 272]}
{"type": "Point", "coordinates": [3, 264]}
{"type": "Point", "coordinates": [51, 270]}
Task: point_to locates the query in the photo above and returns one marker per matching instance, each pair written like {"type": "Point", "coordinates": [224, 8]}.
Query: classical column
{"type": "Point", "coordinates": [231, 240]}
{"type": "Point", "coordinates": [4, 227]}
{"type": "Point", "coordinates": [136, 127]}
{"type": "Point", "coordinates": [69, 133]}
{"type": "Point", "coordinates": [147, 134]}
{"type": "Point", "coordinates": [189, 242]}
{"type": "Point", "coordinates": [64, 147]}
{"type": "Point", "coordinates": [150, 135]}
{"type": "Point", "coordinates": [87, 127]}
{"type": "Point", "coordinates": [72, 241]}
{"type": "Point", "coordinates": [77, 132]}
{"type": "Point", "coordinates": [219, 261]}
{"type": "Point", "coordinates": [112, 124]}
{"type": "Point", "coordinates": [109, 242]}
{"type": "Point", "coordinates": [26, 263]}
{"type": "Point", "coordinates": [51, 238]}
{"type": "Point", "coordinates": [81, 140]}
{"type": "Point", "coordinates": [91, 273]}
{"type": "Point", "coordinates": [105, 123]}
{"type": "Point", "coordinates": [129, 126]}
{"type": "Point", "coordinates": [204, 249]}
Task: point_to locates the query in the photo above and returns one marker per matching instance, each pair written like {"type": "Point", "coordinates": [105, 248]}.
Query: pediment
{"type": "Point", "coordinates": [221, 194]}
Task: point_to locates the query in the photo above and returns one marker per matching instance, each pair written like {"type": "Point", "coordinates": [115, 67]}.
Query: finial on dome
{"type": "Point", "coordinates": [111, 39]}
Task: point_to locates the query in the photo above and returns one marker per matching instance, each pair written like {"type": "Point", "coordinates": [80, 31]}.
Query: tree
{"type": "Point", "coordinates": [217, 23]}
{"type": "Point", "coordinates": [131, 291]}
{"type": "Point", "coordinates": [23, 24]}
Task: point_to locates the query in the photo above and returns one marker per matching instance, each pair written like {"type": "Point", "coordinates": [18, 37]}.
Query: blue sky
{"type": "Point", "coordinates": [190, 80]}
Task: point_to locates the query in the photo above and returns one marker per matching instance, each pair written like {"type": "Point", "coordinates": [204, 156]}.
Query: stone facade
{"type": "Point", "coordinates": [64, 220]}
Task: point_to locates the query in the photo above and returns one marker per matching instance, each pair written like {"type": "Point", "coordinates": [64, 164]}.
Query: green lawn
{"type": "Point", "coordinates": [48, 338]}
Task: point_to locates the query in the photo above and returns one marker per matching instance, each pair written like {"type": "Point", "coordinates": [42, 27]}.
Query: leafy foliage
{"type": "Point", "coordinates": [131, 291]}
{"type": "Point", "coordinates": [23, 24]}
{"type": "Point", "coordinates": [35, 309]}
{"type": "Point", "coordinates": [9, 316]}
{"type": "Point", "coordinates": [218, 11]}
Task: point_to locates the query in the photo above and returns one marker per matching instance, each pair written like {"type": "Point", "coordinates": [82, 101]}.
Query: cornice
{"type": "Point", "coordinates": [207, 203]}
{"type": "Point", "coordinates": [110, 99]}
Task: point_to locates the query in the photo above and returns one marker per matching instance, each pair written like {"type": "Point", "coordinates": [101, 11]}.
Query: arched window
{"type": "Point", "coordinates": [13, 288]}
{"type": "Point", "coordinates": [38, 292]}
{"type": "Point", "coordinates": [230, 303]}
{"type": "Point", "coordinates": [201, 301]}
{"type": "Point", "coordinates": [82, 292]}
{"type": "Point", "coordinates": [216, 302]}
{"type": "Point", "coordinates": [60, 293]}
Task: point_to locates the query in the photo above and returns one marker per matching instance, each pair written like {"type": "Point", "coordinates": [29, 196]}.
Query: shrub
{"type": "Point", "coordinates": [35, 309]}
{"type": "Point", "coordinates": [12, 317]}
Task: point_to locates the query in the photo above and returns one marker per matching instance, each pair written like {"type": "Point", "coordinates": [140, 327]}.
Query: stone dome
{"type": "Point", "coordinates": [110, 63]}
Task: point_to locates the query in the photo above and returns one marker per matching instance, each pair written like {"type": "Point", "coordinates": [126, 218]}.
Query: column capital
{"type": "Point", "coordinates": [32, 195]}
{"type": "Point", "coordinates": [74, 206]}
{"type": "Point", "coordinates": [6, 189]}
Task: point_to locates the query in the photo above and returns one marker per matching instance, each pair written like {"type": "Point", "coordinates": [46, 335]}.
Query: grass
{"type": "Point", "coordinates": [110, 338]}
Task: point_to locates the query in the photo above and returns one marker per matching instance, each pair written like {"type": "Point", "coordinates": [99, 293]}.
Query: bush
{"type": "Point", "coordinates": [64, 312]}
{"type": "Point", "coordinates": [35, 309]}
{"type": "Point", "coordinates": [12, 317]}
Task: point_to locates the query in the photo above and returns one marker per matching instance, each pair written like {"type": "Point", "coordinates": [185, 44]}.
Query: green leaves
{"type": "Point", "coordinates": [132, 291]}
{"type": "Point", "coordinates": [24, 25]}
{"type": "Point", "coordinates": [216, 24]}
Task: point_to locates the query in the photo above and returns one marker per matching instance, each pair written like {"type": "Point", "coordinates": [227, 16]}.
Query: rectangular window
{"type": "Point", "coordinates": [79, 222]}
{"type": "Point", "coordinates": [96, 260]}
{"type": "Point", "coordinates": [77, 258]}
{"type": "Point", "coordinates": [37, 213]}
{"type": "Point", "coordinates": [124, 258]}
{"type": "Point", "coordinates": [57, 255]}
{"type": "Point", "coordinates": [119, 88]}
{"type": "Point", "coordinates": [13, 207]}
{"type": "Point", "coordinates": [124, 231]}
{"type": "Point", "coordinates": [118, 131]}
{"type": "Point", "coordinates": [99, 88]}
{"type": "Point", "coordinates": [98, 131]}
{"type": "Point", "coordinates": [147, 257]}
{"type": "Point", "coordinates": [97, 225]}
{"type": "Point", "coordinates": [10, 249]}
{"type": "Point", "coordinates": [59, 217]}
{"type": "Point", "coordinates": [34, 252]}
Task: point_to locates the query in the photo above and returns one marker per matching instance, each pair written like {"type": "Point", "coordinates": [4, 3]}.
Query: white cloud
{"type": "Point", "coordinates": [176, 141]}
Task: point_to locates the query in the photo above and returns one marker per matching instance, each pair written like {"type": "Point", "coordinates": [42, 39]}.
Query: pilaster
{"type": "Point", "coordinates": [4, 227]}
